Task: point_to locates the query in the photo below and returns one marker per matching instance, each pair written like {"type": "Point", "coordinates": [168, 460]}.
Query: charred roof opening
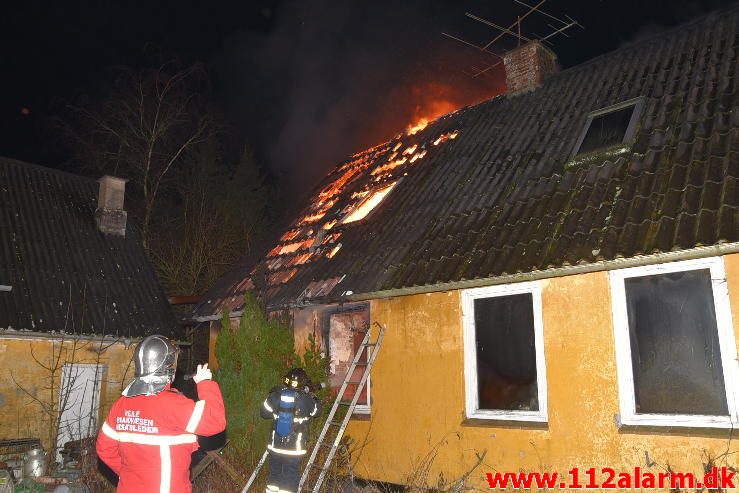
{"type": "Point", "coordinates": [608, 127]}
{"type": "Point", "coordinates": [369, 204]}
{"type": "Point", "coordinates": [469, 207]}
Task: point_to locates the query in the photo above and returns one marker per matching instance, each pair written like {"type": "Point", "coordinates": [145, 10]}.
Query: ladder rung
{"type": "Point", "coordinates": [331, 444]}
{"type": "Point", "coordinates": [319, 466]}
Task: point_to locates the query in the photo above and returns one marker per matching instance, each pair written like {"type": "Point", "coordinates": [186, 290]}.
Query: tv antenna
{"type": "Point", "coordinates": [514, 30]}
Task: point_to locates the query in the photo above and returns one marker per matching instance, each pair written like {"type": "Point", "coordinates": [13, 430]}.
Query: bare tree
{"type": "Point", "coordinates": [219, 215]}
{"type": "Point", "coordinates": [143, 129]}
{"type": "Point", "coordinates": [199, 207]}
{"type": "Point", "coordinates": [64, 388]}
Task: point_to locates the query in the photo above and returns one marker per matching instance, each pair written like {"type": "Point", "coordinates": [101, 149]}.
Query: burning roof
{"type": "Point", "coordinates": [492, 189]}
{"type": "Point", "coordinates": [350, 193]}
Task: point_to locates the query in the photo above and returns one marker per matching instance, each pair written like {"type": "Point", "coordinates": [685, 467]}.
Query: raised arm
{"type": "Point", "coordinates": [207, 416]}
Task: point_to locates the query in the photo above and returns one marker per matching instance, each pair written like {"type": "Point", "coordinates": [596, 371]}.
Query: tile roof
{"type": "Point", "coordinates": [64, 273]}
{"type": "Point", "coordinates": [505, 197]}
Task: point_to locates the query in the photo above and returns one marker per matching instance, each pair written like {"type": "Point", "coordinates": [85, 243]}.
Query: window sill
{"type": "Point", "coordinates": [674, 423]}
{"type": "Point", "coordinates": [362, 409]}
{"type": "Point", "coordinates": [665, 430]}
{"type": "Point", "coordinates": [361, 416]}
{"type": "Point", "coordinates": [513, 416]}
{"type": "Point", "coordinates": [505, 423]}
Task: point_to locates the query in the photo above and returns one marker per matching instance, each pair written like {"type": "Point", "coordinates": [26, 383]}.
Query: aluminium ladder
{"type": "Point", "coordinates": [364, 347]}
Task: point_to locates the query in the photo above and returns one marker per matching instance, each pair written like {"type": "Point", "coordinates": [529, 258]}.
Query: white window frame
{"type": "Point", "coordinates": [727, 345]}
{"type": "Point", "coordinates": [470, 353]}
{"type": "Point", "coordinates": [363, 409]}
{"type": "Point", "coordinates": [366, 408]}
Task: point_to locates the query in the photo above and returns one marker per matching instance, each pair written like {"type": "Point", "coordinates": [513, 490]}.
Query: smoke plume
{"type": "Point", "coordinates": [333, 77]}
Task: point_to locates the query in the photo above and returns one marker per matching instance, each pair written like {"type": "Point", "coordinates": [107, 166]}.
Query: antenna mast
{"type": "Point", "coordinates": [559, 28]}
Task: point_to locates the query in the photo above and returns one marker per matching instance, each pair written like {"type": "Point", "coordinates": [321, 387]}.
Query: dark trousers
{"type": "Point", "coordinates": [284, 473]}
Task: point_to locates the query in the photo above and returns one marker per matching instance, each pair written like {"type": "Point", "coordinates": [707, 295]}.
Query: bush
{"type": "Point", "coordinates": [252, 360]}
{"type": "Point", "coordinates": [315, 363]}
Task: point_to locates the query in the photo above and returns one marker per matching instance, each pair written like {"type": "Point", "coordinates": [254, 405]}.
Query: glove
{"type": "Point", "coordinates": [203, 373]}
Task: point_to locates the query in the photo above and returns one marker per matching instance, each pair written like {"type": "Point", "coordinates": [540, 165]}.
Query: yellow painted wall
{"type": "Point", "coordinates": [418, 394]}
{"type": "Point", "coordinates": [20, 415]}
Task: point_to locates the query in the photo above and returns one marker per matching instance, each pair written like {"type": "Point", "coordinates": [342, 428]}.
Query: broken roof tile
{"type": "Point", "coordinates": [505, 195]}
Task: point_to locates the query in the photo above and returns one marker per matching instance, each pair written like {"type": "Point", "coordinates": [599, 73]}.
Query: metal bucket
{"type": "Point", "coordinates": [35, 463]}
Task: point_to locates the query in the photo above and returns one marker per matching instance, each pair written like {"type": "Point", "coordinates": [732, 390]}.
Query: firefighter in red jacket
{"type": "Point", "coordinates": [150, 432]}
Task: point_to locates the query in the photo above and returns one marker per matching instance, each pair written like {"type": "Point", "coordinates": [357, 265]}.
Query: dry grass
{"type": "Point", "coordinates": [214, 480]}
{"type": "Point", "coordinates": [340, 477]}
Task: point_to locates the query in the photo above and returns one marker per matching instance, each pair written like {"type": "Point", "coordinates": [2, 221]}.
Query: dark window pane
{"type": "Point", "coordinates": [506, 356]}
{"type": "Point", "coordinates": [607, 130]}
{"type": "Point", "coordinates": [675, 352]}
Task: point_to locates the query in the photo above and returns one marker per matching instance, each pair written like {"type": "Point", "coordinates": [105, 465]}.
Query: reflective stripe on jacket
{"type": "Point", "coordinates": [148, 440]}
{"type": "Point", "coordinates": [306, 406]}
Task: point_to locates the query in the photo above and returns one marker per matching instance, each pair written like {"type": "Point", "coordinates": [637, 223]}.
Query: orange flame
{"type": "Point", "coordinates": [446, 136]}
{"type": "Point", "coordinates": [330, 224]}
{"type": "Point", "coordinates": [334, 251]}
{"type": "Point", "coordinates": [417, 127]}
{"type": "Point", "coordinates": [428, 113]}
{"type": "Point", "coordinates": [369, 203]}
{"type": "Point", "coordinates": [411, 149]}
{"type": "Point", "coordinates": [418, 156]}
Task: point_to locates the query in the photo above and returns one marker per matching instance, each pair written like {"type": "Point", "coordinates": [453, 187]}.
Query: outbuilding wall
{"type": "Point", "coordinates": [32, 375]}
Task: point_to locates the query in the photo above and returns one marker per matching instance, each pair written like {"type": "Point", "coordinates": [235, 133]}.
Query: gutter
{"type": "Point", "coordinates": [218, 316]}
{"type": "Point", "coordinates": [190, 299]}
{"type": "Point", "coordinates": [570, 270]}
{"type": "Point", "coordinates": [20, 335]}
{"type": "Point", "coordinates": [25, 335]}
{"type": "Point", "coordinates": [604, 265]}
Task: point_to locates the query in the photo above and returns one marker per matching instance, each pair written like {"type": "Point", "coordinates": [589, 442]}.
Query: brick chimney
{"type": "Point", "coordinates": [527, 66]}
{"type": "Point", "coordinates": [110, 217]}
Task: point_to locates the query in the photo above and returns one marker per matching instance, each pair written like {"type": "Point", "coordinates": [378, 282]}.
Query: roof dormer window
{"type": "Point", "coordinates": [609, 127]}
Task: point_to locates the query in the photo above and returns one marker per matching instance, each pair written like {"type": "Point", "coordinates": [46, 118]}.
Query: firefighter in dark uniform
{"type": "Point", "coordinates": [290, 406]}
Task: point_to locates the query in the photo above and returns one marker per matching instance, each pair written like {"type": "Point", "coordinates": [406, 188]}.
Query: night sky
{"type": "Point", "coordinates": [306, 83]}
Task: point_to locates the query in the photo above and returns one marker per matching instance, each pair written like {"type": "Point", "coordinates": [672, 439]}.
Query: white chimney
{"type": "Point", "coordinates": [527, 66]}
{"type": "Point", "coordinates": [110, 217]}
